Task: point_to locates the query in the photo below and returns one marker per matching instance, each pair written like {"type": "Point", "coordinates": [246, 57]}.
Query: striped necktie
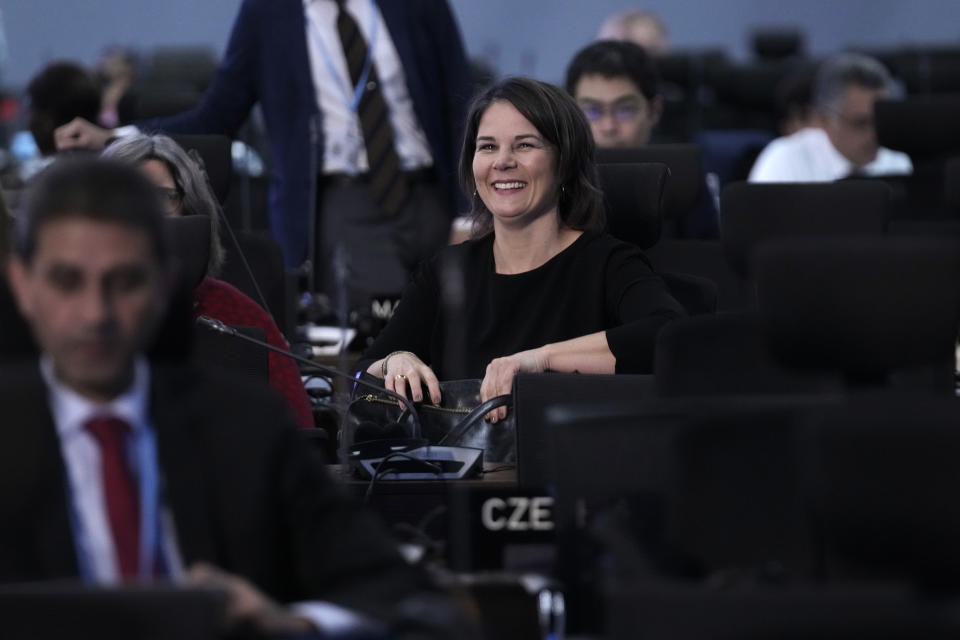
{"type": "Point", "coordinates": [387, 183]}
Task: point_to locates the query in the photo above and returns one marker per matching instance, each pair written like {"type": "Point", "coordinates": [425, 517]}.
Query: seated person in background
{"type": "Point", "coordinates": [60, 92]}
{"type": "Point", "coordinates": [241, 493]}
{"type": "Point", "coordinates": [638, 26]}
{"type": "Point", "coordinates": [116, 70]}
{"type": "Point", "coordinates": [541, 287]}
{"type": "Point", "coordinates": [183, 187]}
{"type": "Point", "coordinates": [843, 141]}
{"type": "Point", "coordinates": [617, 86]}
{"type": "Point", "coordinates": [57, 94]}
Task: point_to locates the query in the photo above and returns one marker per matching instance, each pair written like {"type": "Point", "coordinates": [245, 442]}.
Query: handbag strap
{"type": "Point", "coordinates": [506, 400]}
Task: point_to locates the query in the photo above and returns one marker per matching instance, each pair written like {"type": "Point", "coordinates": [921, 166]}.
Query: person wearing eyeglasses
{"type": "Point", "coordinates": [843, 139]}
{"type": "Point", "coordinates": [617, 86]}
{"type": "Point", "coordinates": [183, 190]}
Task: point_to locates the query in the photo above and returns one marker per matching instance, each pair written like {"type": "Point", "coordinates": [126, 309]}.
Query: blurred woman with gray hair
{"type": "Point", "coordinates": [182, 185]}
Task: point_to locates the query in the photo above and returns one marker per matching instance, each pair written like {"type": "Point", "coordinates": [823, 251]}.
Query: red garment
{"type": "Point", "coordinates": [120, 491]}
{"type": "Point", "coordinates": [224, 302]}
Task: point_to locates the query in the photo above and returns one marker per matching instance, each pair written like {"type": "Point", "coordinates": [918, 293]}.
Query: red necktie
{"type": "Point", "coordinates": [119, 490]}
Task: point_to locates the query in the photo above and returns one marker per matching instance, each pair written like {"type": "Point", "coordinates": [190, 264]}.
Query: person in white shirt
{"type": "Point", "coordinates": [843, 140]}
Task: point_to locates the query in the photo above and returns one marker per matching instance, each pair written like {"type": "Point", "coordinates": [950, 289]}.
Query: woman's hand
{"type": "Point", "coordinates": [501, 371]}
{"type": "Point", "coordinates": [401, 369]}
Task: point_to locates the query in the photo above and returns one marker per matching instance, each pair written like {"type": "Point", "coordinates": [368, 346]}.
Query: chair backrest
{"type": "Point", "coordinates": [535, 395]}
{"type": "Point", "coordinates": [863, 306]}
{"type": "Point", "coordinates": [727, 353]}
{"type": "Point", "coordinates": [265, 258]}
{"type": "Point", "coordinates": [753, 213]}
{"type": "Point", "coordinates": [922, 126]}
{"type": "Point", "coordinates": [686, 175]}
{"type": "Point", "coordinates": [633, 195]}
{"type": "Point", "coordinates": [884, 486]}
{"type": "Point", "coordinates": [189, 238]}
{"type": "Point", "coordinates": [951, 183]}
{"type": "Point", "coordinates": [215, 151]}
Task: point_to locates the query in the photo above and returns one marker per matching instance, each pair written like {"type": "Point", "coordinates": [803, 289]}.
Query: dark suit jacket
{"type": "Point", "coordinates": [266, 61]}
{"type": "Point", "coordinates": [244, 493]}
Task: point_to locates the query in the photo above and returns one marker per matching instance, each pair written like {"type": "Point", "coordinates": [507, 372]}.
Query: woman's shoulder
{"type": "Point", "coordinates": [600, 245]}
{"type": "Point", "coordinates": [223, 301]}
{"type": "Point", "coordinates": [466, 254]}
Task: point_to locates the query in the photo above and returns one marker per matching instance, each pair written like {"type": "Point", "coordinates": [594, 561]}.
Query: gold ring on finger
{"type": "Point", "coordinates": [400, 376]}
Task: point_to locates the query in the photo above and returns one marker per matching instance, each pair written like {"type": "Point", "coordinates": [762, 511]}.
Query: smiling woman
{"type": "Point", "coordinates": [540, 287]}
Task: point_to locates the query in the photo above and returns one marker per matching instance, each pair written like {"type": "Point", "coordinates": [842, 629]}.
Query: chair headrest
{"type": "Point", "coordinates": [863, 306]}
{"type": "Point", "coordinates": [633, 195]}
{"type": "Point", "coordinates": [686, 175]}
{"type": "Point", "coordinates": [189, 238]}
{"type": "Point", "coordinates": [920, 126]}
{"type": "Point", "coordinates": [752, 213]}
{"type": "Point", "coordinates": [951, 183]}
{"type": "Point", "coordinates": [216, 153]}
{"type": "Point", "coordinates": [686, 68]}
{"type": "Point", "coordinates": [774, 44]}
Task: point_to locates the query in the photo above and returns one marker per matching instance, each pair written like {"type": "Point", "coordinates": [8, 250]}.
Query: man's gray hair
{"type": "Point", "coordinates": [845, 70]}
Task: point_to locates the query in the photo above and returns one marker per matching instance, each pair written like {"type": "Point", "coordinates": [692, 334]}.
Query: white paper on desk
{"type": "Point", "coordinates": [329, 341]}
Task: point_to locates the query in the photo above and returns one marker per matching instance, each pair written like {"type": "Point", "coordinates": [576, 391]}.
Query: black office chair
{"type": "Point", "coordinates": [726, 354]}
{"type": "Point", "coordinates": [753, 213]}
{"type": "Point", "coordinates": [215, 151]}
{"type": "Point", "coordinates": [883, 485]}
{"type": "Point", "coordinates": [634, 197]}
{"type": "Point", "coordinates": [922, 126]}
{"type": "Point", "coordinates": [535, 397]}
{"type": "Point", "coordinates": [925, 128]}
{"type": "Point", "coordinates": [834, 312]}
{"type": "Point", "coordinates": [929, 69]}
{"type": "Point", "coordinates": [190, 243]}
{"type": "Point", "coordinates": [866, 307]}
{"type": "Point", "coordinates": [265, 258]}
{"type": "Point", "coordinates": [686, 176]}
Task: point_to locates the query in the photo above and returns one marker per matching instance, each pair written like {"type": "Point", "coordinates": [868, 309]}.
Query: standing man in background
{"type": "Point", "coordinates": [363, 102]}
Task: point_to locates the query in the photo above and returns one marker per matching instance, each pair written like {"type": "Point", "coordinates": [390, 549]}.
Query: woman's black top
{"type": "Point", "coordinates": [457, 314]}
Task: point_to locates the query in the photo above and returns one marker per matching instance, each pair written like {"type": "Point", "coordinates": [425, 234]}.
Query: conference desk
{"type": "Point", "coordinates": [423, 504]}
{"type": "Point", "coordinates": [485, 523]}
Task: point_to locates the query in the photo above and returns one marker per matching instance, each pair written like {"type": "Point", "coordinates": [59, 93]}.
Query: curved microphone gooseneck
{"type": "Point", "coordinates": [215, 325]}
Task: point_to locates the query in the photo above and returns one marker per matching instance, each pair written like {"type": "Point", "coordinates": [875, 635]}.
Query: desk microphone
{"type": "Point", "coordinates": [429, 461]}
{"type": "Point", "coordinates": [216, 325]}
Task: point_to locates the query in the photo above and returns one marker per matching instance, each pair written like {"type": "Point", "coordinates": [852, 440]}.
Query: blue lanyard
{"type": "Point", "coordinates": [144, 449]}
{"type": "Point", "coordinates": [357, 93]}
{"type": "Point", "coordinates": [145, 452]}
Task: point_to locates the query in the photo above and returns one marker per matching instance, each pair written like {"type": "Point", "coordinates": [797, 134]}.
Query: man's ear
{"type": "Point", "coordinates": [656, 109]}
{"type": "Point", "coordinates": [18, 279]}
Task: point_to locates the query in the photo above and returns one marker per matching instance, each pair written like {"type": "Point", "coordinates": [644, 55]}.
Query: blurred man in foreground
{"type": "Point", "coordinates": [116, 470]}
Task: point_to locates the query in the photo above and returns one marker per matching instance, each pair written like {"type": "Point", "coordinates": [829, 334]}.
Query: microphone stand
{"type": "Point", "coordinates": [220, 327]}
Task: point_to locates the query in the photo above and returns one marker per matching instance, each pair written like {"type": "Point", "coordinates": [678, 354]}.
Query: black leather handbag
{"type": "Point", "coordinates": [457, 421]}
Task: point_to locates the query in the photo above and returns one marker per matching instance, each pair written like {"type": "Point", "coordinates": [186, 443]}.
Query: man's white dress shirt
{"type": "Point", "coordinates": [343, 148]}
{"type": "Point", "coordinates": [809, 156]}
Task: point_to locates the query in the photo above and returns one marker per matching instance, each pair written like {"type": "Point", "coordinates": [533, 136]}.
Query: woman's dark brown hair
{"type": "Point", "coordinates": [561, 123]}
